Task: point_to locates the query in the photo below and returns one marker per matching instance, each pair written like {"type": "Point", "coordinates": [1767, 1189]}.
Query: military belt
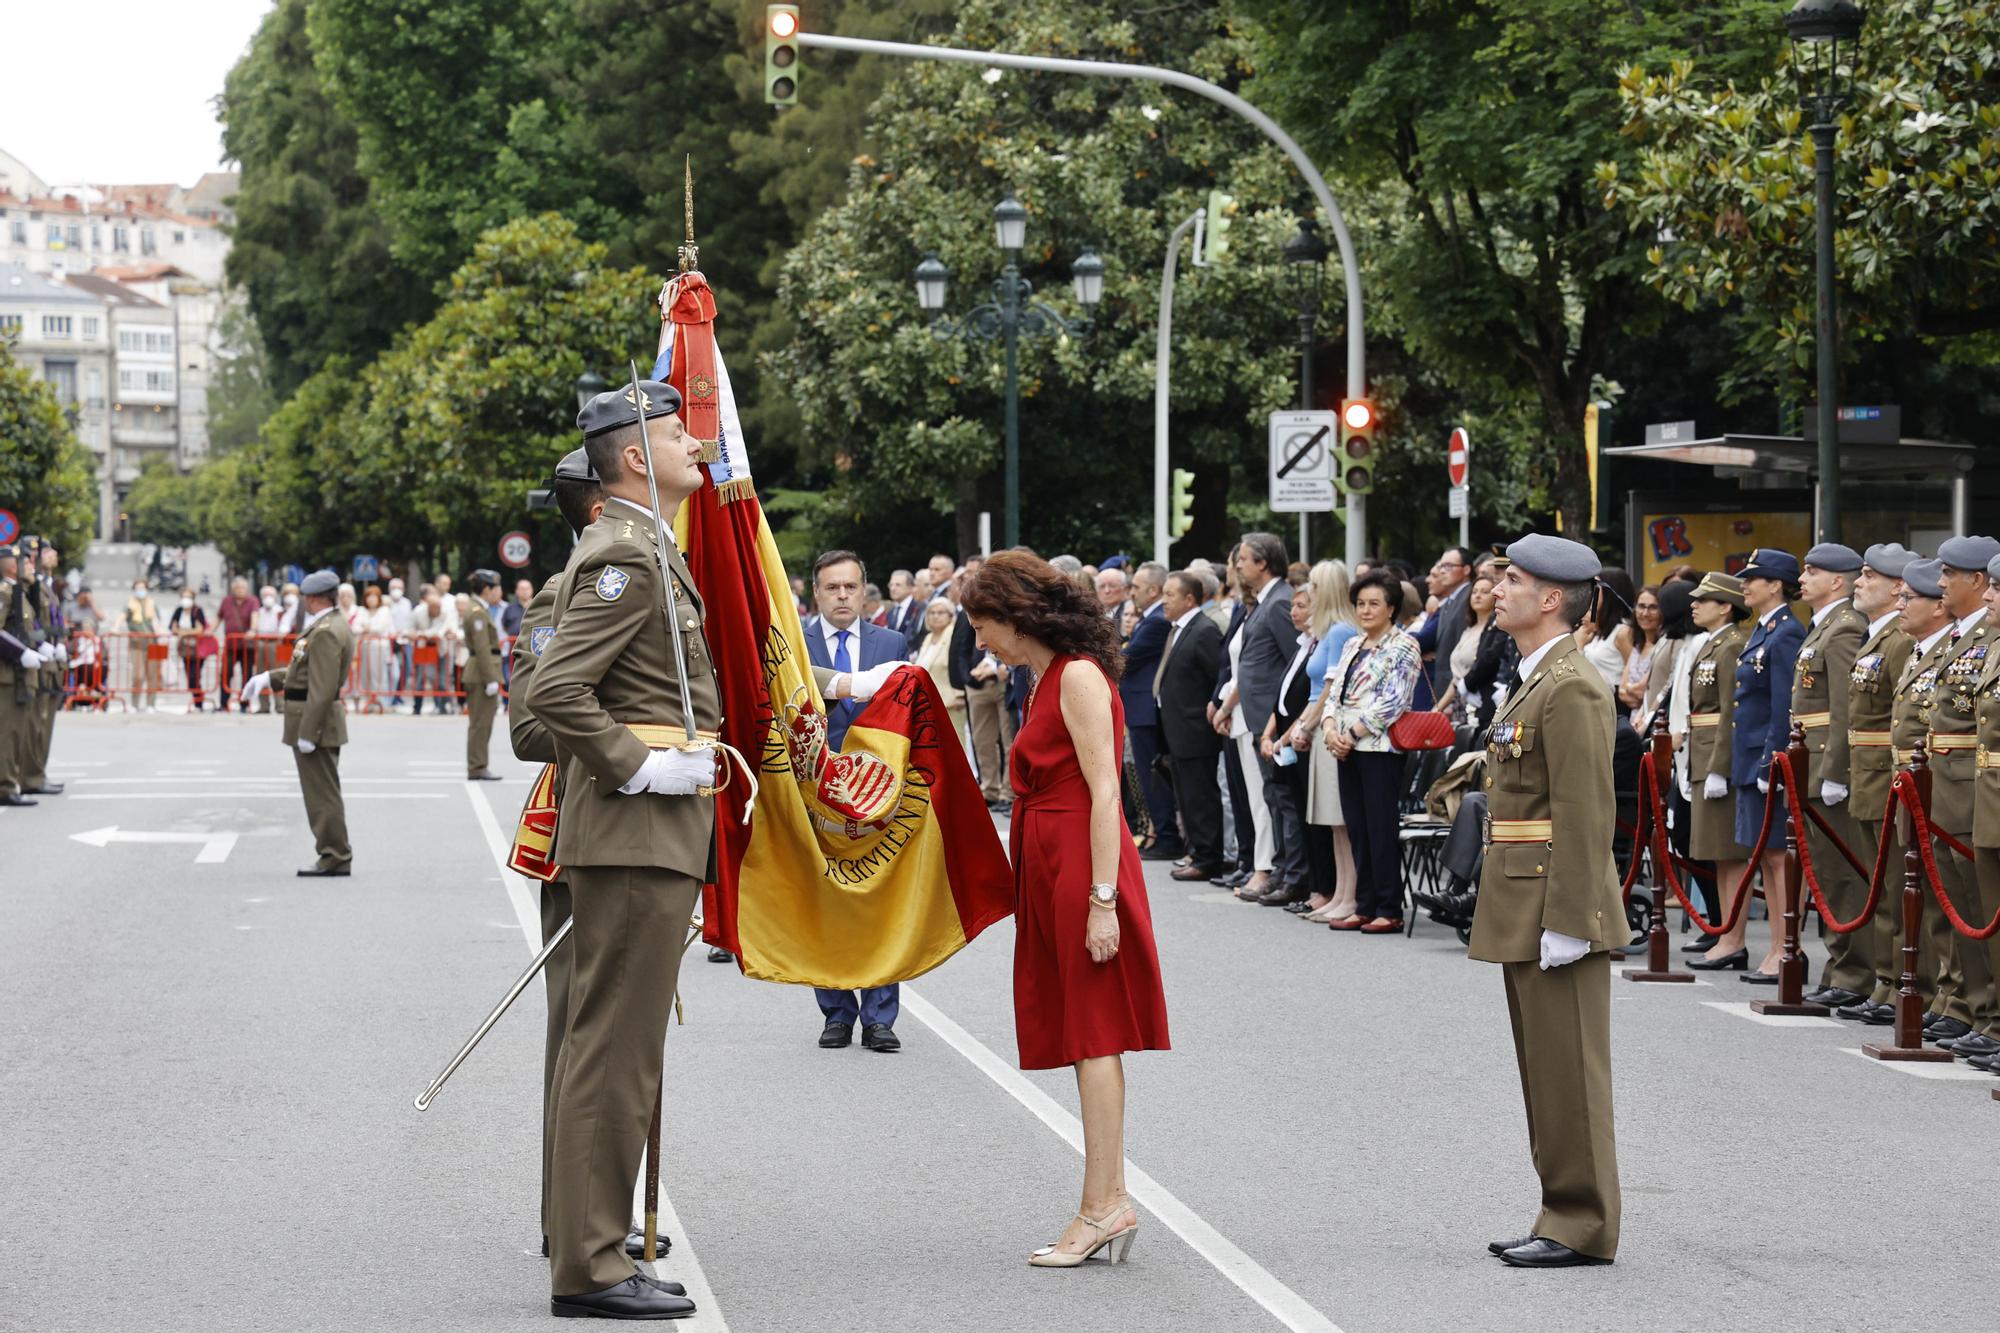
{"type": "Point", "coordinates": [1952, 740]}
{"type": "Point", "coordinates": [1811, 720]}
{"type": "Point", "coordinates": [1985, 758]}
{"type": "Point", "coordinates": [1869, 738]}
{"type": "Point", "coordinates": [1704, 719]}
{"type": "Point", "coordinates": [1518, 830]}
{"type": "Point", "coordinates": [658, 736]}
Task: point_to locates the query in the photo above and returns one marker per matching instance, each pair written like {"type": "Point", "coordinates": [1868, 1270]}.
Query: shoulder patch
{"type": "Point", "coordinates": [538, 638]}
{"type": "Point", "coordinates": [611, 583]}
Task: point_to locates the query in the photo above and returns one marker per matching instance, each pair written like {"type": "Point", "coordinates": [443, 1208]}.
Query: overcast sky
{"type": "Point", "coordinates": [119, 91]}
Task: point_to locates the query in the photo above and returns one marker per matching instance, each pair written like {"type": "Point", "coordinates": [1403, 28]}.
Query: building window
{"type": "Point", "coordinates": [61, 376]}
{"type": "Point", "coordinates": [55, 326]}
{"type": "Point", "coordinates": [121, 239]}
{"type": "Point", "coordinates": [160, 381]}
{"type": "Point", "coordinates": [10, 324]}
{"type": "Point", "coordinates": [126, 379]}
{"type": "Point", "coordinates": [75, 235]}
{"type": "Point", "coordinates": [180, 238]}
{"type": "Point", "coordinates": [128, 341]}
{"type": "Point", "coordinates": [146, 246]}
{"type": "Point", "coordinates": [94, 388]}
{"type": "Point", "coordinates": [96, 237]}
{"type": "Point", "coordinates": [90, 328]}
{"type": "Point", "coordinates": [55, 236]}
{"type": "Point", "coordinates": [159, 342]}
{"type": "Point", "coordinates": [20, 230]}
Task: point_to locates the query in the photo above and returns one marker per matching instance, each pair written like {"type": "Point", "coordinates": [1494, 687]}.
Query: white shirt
{"type": "Point", "coordinates": [269, 618]}
{"type": "Point", "coordinates": [1971, 620]}
{"type": "Point", "coordinates": [1185, 620]}
{"type": "Point", "coordinates": [313, 618]}
{"type": "Point", "coordinates": [1770, 615]}
{"type": "Point", "coordinates": [1828, 609]}
{"type": "Point", "coordinates": [400, 611]}
{"type": "Point", "coordinates": [1306, 645]}
{"type": "Point", "coordinates": [832, 637]}
{"type": "Point", "coordinates": [1924, 645]}
{"type": "Point", "coordinates": [1677, 705]}
{"type": "Point", "coordinates": [1875, 626]}
{"type": "Point", "coordinates": [1534, 659]}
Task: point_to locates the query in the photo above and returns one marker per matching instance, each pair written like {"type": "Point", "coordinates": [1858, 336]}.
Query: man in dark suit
{"type": "Point", "coordinates": [1180, 690]}
{"type": "Point", "coordinates": [1135, 690]}
{"type": "Point", "coordinates": [1269, 643]}
{"type": "Point", "coordinates": [839, 640]}
{"type": "Point", "coordinates": [904, 612]}
{"type": "Point", "coordinates": [1451, 583]}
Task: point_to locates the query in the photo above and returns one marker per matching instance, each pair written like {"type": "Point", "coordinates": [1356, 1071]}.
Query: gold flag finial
{"type": "Point", "coordinates": [690, 254]}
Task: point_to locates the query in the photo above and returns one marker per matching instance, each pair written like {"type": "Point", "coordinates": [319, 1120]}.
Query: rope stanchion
{"type": "Point", "coordinates": [1650, 839]}
{"type": "Point", "coordinates": [1911, 791]}
{"type": "Point", "coordinates": [1786, 765]}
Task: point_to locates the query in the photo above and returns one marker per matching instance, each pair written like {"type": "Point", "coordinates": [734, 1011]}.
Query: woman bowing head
{"type": "Point", "coordinates": [1086, 973]}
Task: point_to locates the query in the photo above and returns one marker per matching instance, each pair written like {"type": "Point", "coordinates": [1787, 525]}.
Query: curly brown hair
{"type": "Point", "coordinates": [1026, 592]}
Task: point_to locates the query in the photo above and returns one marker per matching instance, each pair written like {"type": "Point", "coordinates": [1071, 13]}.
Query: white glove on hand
{"type": "Point", "coordinates": [865, 684]}
{"type": "Point", "coordinates": [673, 773]}
{"type": "Point", "coordinates": [1832, 793]}
{"type": "Point", "coordinates": [306, 746]}
{"type": "Point", "coordinates": [492, 688]}
{"type": "Point", "coordinates": [30, 659]}
{"type": "Point", "coordinates": [255, 687]}
{"type": "Point", "coordinates": [59, 651]}
{"type": "Point", "coordinates": [1763, 786]}
{"type": "Point", "coordinates": [1715, 788]}
{"type": "Point", "coordinates": [1560, 950]}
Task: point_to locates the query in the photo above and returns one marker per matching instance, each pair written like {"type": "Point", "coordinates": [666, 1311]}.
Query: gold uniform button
{"type": "Point", "coordinates": [1539, 870]}
{"type": "Point", "coordinates": [690, 624]}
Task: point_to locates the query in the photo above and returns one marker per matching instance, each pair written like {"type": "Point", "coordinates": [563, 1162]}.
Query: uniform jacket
{"type": "Point", "coordinates": [1986, 781]}
{"type": "Point", "coordinates": [1952, 713]}
{"type": "Point", "coordinates": [531, 739]}
{"type": "Point", "coordinates": [610, 665]}
{"type": "Point", "coordinates": [1186, 688]}
{"type": "Point", "coordinates": [872, 646]}
{"type": "Point", "coordinates": [482, 649]}
{"type": "Point", "coordinates": [312, 683]}
{"type": "Point", "coordinates": [1762, 724]}
{"type": "Point", "coordinates": [1909, 719]}
{"type": "Point", "coordinates": [14, 635]}
{"type": "Point", "coordinates": [1871, 699]}
{"type": "Point", "coordinates": [1561, 719]}
{"type": "Point", "coordinates": [1819, 685]}
{"type": "Point", "coordinates": [1142, 659]}
{"type": "Point", "coordinates": [1711, 690]}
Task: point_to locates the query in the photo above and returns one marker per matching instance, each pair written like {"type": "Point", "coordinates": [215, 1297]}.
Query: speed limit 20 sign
{"type": "Point", "coordinates": [515, 549]}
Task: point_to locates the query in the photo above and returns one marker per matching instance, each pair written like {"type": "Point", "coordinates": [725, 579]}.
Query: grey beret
{"type": "Point", "coordinates": [9, 553]}
{"type": "Point", "coordinates": [615, 408]}
{"type": "Point", "coordinates": [1834, 558]}
{"type": "Point", "coordinates": [1993, 568]}
{"type": "Point", "coordinates": [1968, 552]}
{"type": "Point", "coordinates": [1889, 559]}
{"type": "Point", "coordinates": [1556, 559]}
{"type": "Point", "coordinates": [319, 583]}
{"type": "Point", "coordinates": [575, 466]}
{"type": "Point", "coordinates": [1924, 578]}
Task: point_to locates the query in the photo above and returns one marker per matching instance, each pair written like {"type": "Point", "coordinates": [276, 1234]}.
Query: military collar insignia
{"type": "Point", "coordinates": [538, 638]}
{"type": "Point", "coordinates": [611, 583]}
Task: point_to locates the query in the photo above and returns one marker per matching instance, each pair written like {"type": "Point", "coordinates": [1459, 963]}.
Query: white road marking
{"type": "Point", "coordinates": [681, 1265]}
{"type": "Point", "coordinates": [215, 847]}
{"type": "Point", "coordinates": [1743, 1010]}
{"type": "Point", "coordinates": [275, 777]}
{"type": "Point", "coordinates": [1953, 1072]}
{"type": "Point", "coordinates": [1284, 1304]}
{"type": "Point", "coordinates": [266, 795]}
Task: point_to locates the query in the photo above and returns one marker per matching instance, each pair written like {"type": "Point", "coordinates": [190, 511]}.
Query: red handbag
{"type": "Point", "coordinates": [1422, 731]}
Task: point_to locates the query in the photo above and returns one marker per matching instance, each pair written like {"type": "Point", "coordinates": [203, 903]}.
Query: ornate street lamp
{"type": "Point", "coordinates": [1305, 272]}
{"type": "Point", "coordinates": [1825, 34]}
{"type": "Point", "coordinates": [588, 385]}
{"type": "Point", "coordinates": [1011, 315]}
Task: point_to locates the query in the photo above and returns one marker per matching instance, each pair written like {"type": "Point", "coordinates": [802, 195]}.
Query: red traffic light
{"type": "Point", "coordinates": [784, 23]}
{"type": "Point", "coordinates": [1358, 414]}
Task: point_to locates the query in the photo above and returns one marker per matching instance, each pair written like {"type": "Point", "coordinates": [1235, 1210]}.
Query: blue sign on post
{"type": "Point", "coordinates": [10, 527]}
{"type": "Point", "coordinates": [366, 569]}
{"type": "Point", "coordinates": [294, 574]}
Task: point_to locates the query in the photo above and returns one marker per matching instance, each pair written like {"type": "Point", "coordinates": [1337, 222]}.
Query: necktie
{"type": "Point", "coordinates": [1160, 672]}
{"type": "Point", "coordinates": [841, 660]}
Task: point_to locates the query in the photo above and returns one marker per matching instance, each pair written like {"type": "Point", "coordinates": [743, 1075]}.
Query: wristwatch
{"type": "Point", "coordinates": [1104, 895]}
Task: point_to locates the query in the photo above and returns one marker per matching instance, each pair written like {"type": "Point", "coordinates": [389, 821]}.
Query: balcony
{"type": "Point", "coordinates": [144, 432]}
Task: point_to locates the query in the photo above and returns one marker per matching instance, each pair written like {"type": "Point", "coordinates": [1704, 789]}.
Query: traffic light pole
{"type": "Point", "coordinates": [1163, 536]}
{"type": "Point", "coordinates": [1357, 355]}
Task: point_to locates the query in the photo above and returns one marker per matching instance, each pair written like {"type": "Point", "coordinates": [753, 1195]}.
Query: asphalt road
{"type": "Point", "coordinates": [207, 1066]}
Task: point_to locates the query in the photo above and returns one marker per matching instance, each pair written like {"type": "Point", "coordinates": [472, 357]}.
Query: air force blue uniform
{"type": "Point", "coordinates": [1763, 716]}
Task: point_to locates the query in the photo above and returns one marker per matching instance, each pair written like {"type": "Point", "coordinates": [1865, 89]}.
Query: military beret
{"type": "Point", "coordinates": [575, 466]}
{"type": "Point", "coordinates": [1766, 563]}
{"type": "Point", "coordinates": [1968, 552]}
{"type": "Point", "coordinates": [9, 553]}
{"type": "Point", "coordinates": [1834, 558]}
{"type": "Point", "coordinates": [615, 408]}
{"type": "Point", "coordinates": [1993, 568]}
{"type": "Point", "coordinates": [319, 583]}
{"type": "Point", "coordinates": [1888, 559]}
{"type": "Point", "coordinates": [1556, 559]}
{"type": "Point", "coordinates": [1721, 588]}
{"type": "Point", "coordinates": [1924, 578]}
{"type": "Point", "coordinates": [481, 579]}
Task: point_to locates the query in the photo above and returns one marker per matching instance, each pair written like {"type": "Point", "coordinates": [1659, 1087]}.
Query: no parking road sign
{"type": "Point", "coordinates": [1302, 445]}
{"type": "Point", "coordinates": [10, 527]}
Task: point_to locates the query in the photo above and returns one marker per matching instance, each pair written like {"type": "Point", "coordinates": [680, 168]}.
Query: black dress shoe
{"type": "Point", "coordinates": [1699, 944]}
{"type": "Point", "coordinates": [17, 800]}
{"type": "Point", "coordinates": [717, 954]}
{"type": "Point", "coordinates": [1971, 1044]}
{"type": "Point", "coordinates": [46, 789]}
{"type": "Point", "coordinates": [483, 775]}
{"type": "Point", "coordinates": [1759, 978]}
{"type": "Point", "coordinates": [1544, 1253]}
{"type": "Point", "coordinates": [1502, 1246]}
{"type": "Point", "coordinates": [1857, 1012]}
{"type": "Point", "coordinates": [671, 1288]}
{"type": "Point", "coordinates": [634, 1298]}
{"type": "Point", "coordinates": [1729, 962]}
{"type": "Point", "coordinates": [1158, 853]}
{"type": "Point", "coordinates": [1945, 1029]}
{"type": "Point", "coordinates": [1880, 1015]}
{"type": "Point", "coordinates": [1284, 895]}
{"type": "Point", "coordinates": [1989, 1063]}
{"type": "Point", "coordinates": [635, 1248]}
{"type": "Point", "coordinates": [835, 1036]}
{"type": "Point", "coordinates": [325, 872]}
{"type": "Point", "coordinates": [1190, 874]}
{"type": "Point", "coordinates": [1835, 997]}
{"type": "Point", "coordinates": [1300, 906]}
{"type": "Point", "coordinates": [1235, 879]}
{"type": "Point", "coordinates": [881, 1037]}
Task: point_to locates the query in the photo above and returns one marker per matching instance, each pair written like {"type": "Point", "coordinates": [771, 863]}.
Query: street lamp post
{"type": "Point", "coordinates": [1305, 269]}
{"type": "Point", "coordinates": [588, 385]}
{"type": "Point", "coordinates": [1011, 315]}
{"type": "Point", "coordinates": [1819, 30]}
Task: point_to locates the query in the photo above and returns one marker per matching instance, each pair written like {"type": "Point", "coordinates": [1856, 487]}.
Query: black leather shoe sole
{"type": "Point", "coordinates": [317, 872]}
{"type": "Point", "coordinates": [1729, 962]}
{"type": "Point", "coordinates": [880, 1038]}
{"type": "Point", "coordinates": [55, 789]}
{"type": "Point", "coordinates": [17, 800]}
{"type": "Point", "coordinates": [1759, 978]}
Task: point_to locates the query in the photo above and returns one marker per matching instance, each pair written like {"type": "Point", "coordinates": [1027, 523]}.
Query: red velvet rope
{"type": "Point", "coordinates": [1905, 790]}
{"type": "Point", "coordinates": [1783, 762]}
{"type": "Point", "coordinates": [1652, 813]}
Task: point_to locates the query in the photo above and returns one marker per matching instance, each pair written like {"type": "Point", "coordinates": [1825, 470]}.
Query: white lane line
{"type": "Point", "coordinates": [1743, 1010]}
{"type": "Point", "coordinates": [262, 795]}
{"type": "Point", "coordinates": [681, 1264]}
{"type": "Point", "coordinates": [1284, 1304]}
{"type": "Point", "coordinates": [1953, 1072]}
{"type": "Point", "coordinates": [275, 777]}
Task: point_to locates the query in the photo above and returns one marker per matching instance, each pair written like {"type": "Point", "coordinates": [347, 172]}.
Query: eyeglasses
{"type": "Point", "coordinates": [1443, 567]}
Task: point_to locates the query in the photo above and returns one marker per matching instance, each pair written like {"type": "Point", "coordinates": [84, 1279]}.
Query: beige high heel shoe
{"type": "Point", "coordinates": [1118, 1244]}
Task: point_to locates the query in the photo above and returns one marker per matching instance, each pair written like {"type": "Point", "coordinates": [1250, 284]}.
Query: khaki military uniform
{"type": "Point", "coordinates": [1953, 759]}
{"type": "Point", "coordinates": [1939, 979]}
{"type": "Point", "coordinates": [1551, 815]}
{"type": "Point", "coordinates": [533, 743]}
{"type": "Point", "coordinates": [1871, 767]}
{"type": "Point", "coordinates": [17, 686]}
{"type": "Point", "coordinates": [1986, 793]}
{"type": "Point", "coordinates": [312, 686]}
{"type": "Point", "coordinates": [1711, 708]}
{"type": "Point", "coordinates": [482, 666]}
{"type": "Point", "coordinates": [1820, 705]}
{"type": "Point", "coordinates": [606, 688]}
{"type": "Point", "coordinates": [49, 681]}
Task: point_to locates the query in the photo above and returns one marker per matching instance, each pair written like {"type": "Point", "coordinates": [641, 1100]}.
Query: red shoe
{"type": "Point", "coordinates": [1383, 925]}
{"type": "Point", "coordinates": [1350, 923]}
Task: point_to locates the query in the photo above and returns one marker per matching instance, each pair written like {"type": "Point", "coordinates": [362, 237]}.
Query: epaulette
{"type": "Point", "coordinates": [1566, 667]}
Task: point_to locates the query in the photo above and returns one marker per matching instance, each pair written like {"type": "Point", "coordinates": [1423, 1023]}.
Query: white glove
{"type": "Point", "coordinates": [1715, 788]}
{"type": "Point", "coordinates": [492, 688]}
{"type": "Point", "coordinates": [255, 687]}
{"type": "Point", "coordinates": [30, 659]}
{"type": "Point", "coordinates": [865, 684]}
{"type": "Point", "coordinates": [1560, 950]}
{"type": "Point", "coordinates": [59, 650]}
{"type": "Point", "coordinates": [1832, 793]}
{"type": "Point", "coordinates": [1763, 786]}
{"type": "Point", "coordinates": [306, 746]}
{"type": "Point", "coordinates": [673, 773]}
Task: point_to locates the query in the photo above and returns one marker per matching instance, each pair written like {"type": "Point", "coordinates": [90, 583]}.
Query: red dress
{"type": "Point", "coordinates": [1066, 1007]}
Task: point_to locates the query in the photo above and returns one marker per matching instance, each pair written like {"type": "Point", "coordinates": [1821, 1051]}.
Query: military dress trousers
{"type": "Point", "coordinates": [1871, 699]}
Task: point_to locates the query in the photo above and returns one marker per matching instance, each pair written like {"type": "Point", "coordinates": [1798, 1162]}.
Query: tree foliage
{"type": "Point", "coordinates": [45, 473]}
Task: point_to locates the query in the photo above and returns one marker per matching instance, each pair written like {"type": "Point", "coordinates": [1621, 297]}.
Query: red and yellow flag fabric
{"type": "Point", "coordinates": [856, 868]}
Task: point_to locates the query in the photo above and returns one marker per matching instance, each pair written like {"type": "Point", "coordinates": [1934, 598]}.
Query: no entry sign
{"type": "Point", "coordinates": [1456, 456]}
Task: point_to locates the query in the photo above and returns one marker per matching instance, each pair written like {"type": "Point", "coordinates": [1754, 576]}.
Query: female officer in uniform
{"type": "Point", "coordinates": [1719, 609]}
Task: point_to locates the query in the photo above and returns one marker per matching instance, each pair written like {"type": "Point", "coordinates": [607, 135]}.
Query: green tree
{"type": "Point", "coordinates": [46, 477]}
{"type": "Point", "coordinates": [240, 394]}
{"type": "Point", "coordinates": [164, 506]}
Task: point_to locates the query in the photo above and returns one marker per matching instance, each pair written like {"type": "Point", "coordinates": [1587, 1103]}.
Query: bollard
{"type": "Point", "coordinates": [1792, 964]}
{"type": "Point", "coordinates": [1909, 1041]}
{"type": "Point", "coordinates": [1659, 965]}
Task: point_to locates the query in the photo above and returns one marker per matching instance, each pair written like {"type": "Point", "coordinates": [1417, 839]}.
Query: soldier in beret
{"type": "Point", "coordinates": [315, 721]}
{"type": "Point", "coordinates": [1871, 692]}
{"type": "Point", "coordinates": [39, 569]}
{"type": "Point", "coordinates": [482, 673]}
{"type": "Point", "coordinates": [635, 834]}
{"type": "Point", "coordinates": [1950, 738]}
{"type": "Point", "coordinates": [1986, 781]}
{"type": "Point", "coordinates": [1549, 908]}
{"type": "Point", "coordinates": [1763, 726]}
{"type": "Point", "coordinates": [18, 661]}
{"type": "Point", "coordinates": [1720, 610]}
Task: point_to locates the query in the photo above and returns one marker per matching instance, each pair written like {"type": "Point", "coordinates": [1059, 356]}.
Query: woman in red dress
{"type": "Point", "coordinates": [1086, 973]}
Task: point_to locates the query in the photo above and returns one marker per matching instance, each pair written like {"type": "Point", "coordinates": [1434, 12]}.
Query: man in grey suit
{"type": "Point", "coordinates": [1451, 583]}
{"type": "Point", "coordinates": [1269, 643]}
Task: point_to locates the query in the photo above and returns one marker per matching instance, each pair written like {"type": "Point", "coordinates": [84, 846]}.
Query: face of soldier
{"type": "Point", "coordinates": [1873, 594]}
{"type": "Point", "coordinates": [1709, 614]}
{"type": "Point", "coordinates": [1820, 588]}
{"type": "Point", "coordinates": [1992, 597]}
{"type": "Point", "coordinates": [838, 592]}
{"type": "Point", "coordinates": [1922, 616]}
{"type": "Point", "coordinates": [676, 457]}
{"type": "Point", "coordinates": [1763, 594]}
{"type": "Point", "coordinates": [1964, 590]}
{"type": "Point", "coordinates": [1517, 600]}
{"type": "Point", "coordinates": [8, 566]}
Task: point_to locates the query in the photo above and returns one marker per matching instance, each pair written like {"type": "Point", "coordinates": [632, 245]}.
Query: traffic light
{"type": "Point", "coordinates": [1180, 513]}
{"type": "Point", "coordinates": [1219, 213]}
{"type": "Point", "coordinates": [781, 55]}
{"type": "Point", "coordinates": [1357, 446]}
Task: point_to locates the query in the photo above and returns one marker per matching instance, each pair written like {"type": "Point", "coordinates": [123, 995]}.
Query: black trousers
{"type": "Point", "coordinates": [1239, 806]}
{"type": "Point", "coordinates": [1199, 795]}
{"type": "Point", "coordinates": [1159, 795]}
{"type": "Point", "coordinates": [1285, 795]}
{"type": "Point", "coordinates": [1369, 783]}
